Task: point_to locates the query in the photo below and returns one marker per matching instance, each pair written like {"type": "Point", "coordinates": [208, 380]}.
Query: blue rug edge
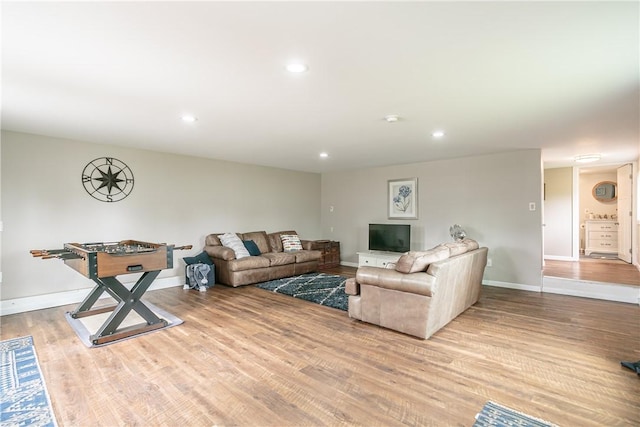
{"type": "Point", "coordinates": [508, 417]}
{"type": "Point", "coordinates": [45, 390]}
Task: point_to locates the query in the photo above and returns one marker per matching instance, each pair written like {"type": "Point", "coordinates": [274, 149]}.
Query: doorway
{"type": "Point", "coordinates": [582, 219]}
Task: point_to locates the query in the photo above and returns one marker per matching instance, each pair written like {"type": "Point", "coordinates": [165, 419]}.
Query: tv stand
{"type": "Point", "coordinates": [377, 258]}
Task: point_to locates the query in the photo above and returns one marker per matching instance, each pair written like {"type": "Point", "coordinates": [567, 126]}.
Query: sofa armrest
{"type": "Point", "coordinates": [220, 252]}
{"type": "Point", "coordinates": [351, 287]}
{"type": "Point", "coordinates": [416, 283]}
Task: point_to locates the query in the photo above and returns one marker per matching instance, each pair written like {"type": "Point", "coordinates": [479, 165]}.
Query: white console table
{"type": "Point", "coordinates": [377, 258]}
{"type": "Point", "coordinates": [601, 236]}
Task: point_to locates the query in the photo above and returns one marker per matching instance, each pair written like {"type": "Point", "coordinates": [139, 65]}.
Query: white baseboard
{"type": "Point", "coordinates": [349, 264]}
{"type": "Point", "coordinates": [560, 258]}
{"type": "Point", "coordinates": [530, 288]}
{"type": "Point", "coordinates": [586, 289]}
{"type": "Point", "coordinates": [39, 302]}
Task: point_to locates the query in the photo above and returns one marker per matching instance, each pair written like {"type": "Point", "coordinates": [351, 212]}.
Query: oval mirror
{"type": "Point", "coordinates": [605, 191]}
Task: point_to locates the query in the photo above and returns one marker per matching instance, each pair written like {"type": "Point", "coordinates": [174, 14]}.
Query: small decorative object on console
{"type": "Point", "coordinates": [457, 232]}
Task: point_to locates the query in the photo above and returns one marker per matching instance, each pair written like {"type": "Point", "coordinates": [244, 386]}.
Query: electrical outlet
{"type": "Point", "coordinates": [532, 206]}
{"type": "Point", "coordinates": [331, 229]}
{"type": "Point", "coordinates": [489, 262]}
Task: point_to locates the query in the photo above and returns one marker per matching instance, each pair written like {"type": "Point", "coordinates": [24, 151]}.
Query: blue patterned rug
{"type": "Point", "coordinates": [24, 399]}
{"type": "Point", "coordinates": [321, 288]}
{"type": "Point", "coordinates": [495, 415]}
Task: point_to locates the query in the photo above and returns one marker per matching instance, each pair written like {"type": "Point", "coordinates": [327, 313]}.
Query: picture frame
{"type": "Point", "coordinates": [402, 198]}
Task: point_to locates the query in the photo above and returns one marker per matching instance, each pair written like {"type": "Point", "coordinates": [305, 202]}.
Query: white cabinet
{"type": "Point", "coordinates": [601, 236]}
{"type": "Point", "coordinates": [377, 259]}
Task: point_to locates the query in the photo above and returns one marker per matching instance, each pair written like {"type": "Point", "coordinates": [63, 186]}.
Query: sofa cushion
{"type": "Point", "coordinates": [415, 261]}
{"type": "Point", "coordinates": [201, 258]}
{"type": "Point", "coordinates": [248, 263]}
{"type": "Point", "coordinates": [260, 238]}
{"type": "Point", "coordinates": [275, 243]}
{"type": "Point", "coordinates": [231, 240]}
{"type": "Point", "coordinates": [291, 242]}
{"type": "Point", "coordinates": [456, 248]}
{"type": "Point", "coordinates": [307, 255]}
{"type": "Point", "coordinates": [251, 247]}
{"type": "Point", "coordinates": [280, 258]}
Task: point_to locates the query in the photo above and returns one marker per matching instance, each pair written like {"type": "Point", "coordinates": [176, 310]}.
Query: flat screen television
{"type": "Point", "coordinates": [389, 237]}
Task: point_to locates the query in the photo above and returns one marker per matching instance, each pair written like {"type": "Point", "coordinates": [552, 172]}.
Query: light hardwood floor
{"type": "Point", "coordinates": [608, 271]}
{"type": "Point", "coordinates": [248, 357]}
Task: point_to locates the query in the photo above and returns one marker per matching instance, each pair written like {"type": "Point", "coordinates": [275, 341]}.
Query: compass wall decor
{"type": "Point", "coordinates": [107, 179]}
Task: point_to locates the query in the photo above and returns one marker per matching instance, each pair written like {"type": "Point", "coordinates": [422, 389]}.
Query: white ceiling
{"type": "Point", "coordinates": [496, 76]}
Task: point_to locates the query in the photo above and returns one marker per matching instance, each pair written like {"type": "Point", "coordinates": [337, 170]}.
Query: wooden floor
{"type": "Point", "coordinates": [589, 269]}
{"type": "Point", "coordinates": [249, 357]}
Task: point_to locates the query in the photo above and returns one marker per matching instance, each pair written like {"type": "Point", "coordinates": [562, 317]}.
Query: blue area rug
{"type": "Point", "coordinates": [495, 415]}
{"type": "Point", "coordinates": [24, 399]}
{"type": "Point", "coordinates": [321, 288]}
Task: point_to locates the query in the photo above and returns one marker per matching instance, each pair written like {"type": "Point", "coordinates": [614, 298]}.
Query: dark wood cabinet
{"type": "Point", "coordinates": [330, 253]}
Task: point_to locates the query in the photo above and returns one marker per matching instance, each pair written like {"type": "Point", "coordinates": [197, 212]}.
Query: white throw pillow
{"type": "Point", "coordinates": [291, 242]}
{"type": "Point", "coordinates": [231, 240]}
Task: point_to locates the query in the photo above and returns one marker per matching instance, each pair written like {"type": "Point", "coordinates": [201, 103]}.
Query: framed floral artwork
{"type": "Point", "coordinates": [403, 198]}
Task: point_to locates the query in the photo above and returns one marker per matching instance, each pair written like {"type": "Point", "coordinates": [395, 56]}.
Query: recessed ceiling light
{"type": "Point", "coordinates": [392, 118]}
{"type": "Point", "coordinates": [189, 119]}
{"type": "Point", "coordinates": [586, 158]}
{"type": "Point", "coordinates": [324, 155]}
{"type": "Point", "coordinates": [437, 133]}
{"type": "Point", "coordinates": [297, 67]}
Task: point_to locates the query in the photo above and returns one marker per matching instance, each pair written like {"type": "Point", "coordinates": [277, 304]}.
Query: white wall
{"type": "Point", "coordinates": [488, 195]}
{"type": "Point", "coordinates": [558, 213]}
{"type": "Point", "coordinates": [176, 200]}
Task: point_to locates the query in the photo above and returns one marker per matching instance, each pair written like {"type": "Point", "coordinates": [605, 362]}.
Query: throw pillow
{"type": "Point", "coordinates": [201, 258]}
{"type": "Point", "coordinates": [291, 242]}
{"type": "Point", "coordinates": [415, 261]}
{"type": "Point", "coordinates": [251, 247]}
{"type": "Point", "coordinates": [231, 240]}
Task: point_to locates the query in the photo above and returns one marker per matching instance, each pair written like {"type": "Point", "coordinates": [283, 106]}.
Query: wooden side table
{"type": "Point", "coordinates": [330, 253]}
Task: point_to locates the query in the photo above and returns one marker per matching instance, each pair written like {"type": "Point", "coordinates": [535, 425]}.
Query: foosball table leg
{"type": "Point", "coordinates": [127, 300]}
{"type": "Point", "coordinates": [84, 309]}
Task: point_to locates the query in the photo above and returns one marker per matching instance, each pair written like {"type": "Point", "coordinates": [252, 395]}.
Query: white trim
{"type": "Point", "coordinates": [531, 288]}
{"type": "Point", "coordinates": [349, 264]}
{"type": "Point", "coordinates": [575, 215]}
{"type": "Point", "coordinates": [39, 302]}
{"type": "Point", "coordinates": [587, 289]}
{"type": "Point", "coordinates": [559, 258]}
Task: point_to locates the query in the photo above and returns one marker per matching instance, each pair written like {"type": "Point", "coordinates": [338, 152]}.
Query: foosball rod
{"type": "Point", "coordinates": [43, 252]}
{"type": "Point", "coordinates": [182, 248]}
{"type": "Point", "coordinates": [69, 255]}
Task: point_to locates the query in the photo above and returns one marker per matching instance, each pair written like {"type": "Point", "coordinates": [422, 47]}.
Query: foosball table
{"type": "Point", "coordinates": [102, 262]}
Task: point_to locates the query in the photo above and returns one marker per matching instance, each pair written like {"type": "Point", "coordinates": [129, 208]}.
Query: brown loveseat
{"type": "Point", "coordinates": [271, 263]}
{"type": "Point", "coordinates": [430, 290]}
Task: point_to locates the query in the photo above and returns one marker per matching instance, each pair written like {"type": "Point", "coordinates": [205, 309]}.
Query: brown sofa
{"type": "Point", "coordinates": [430, 290]}
{"type": "Point", "coordinates": [272, 263]}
